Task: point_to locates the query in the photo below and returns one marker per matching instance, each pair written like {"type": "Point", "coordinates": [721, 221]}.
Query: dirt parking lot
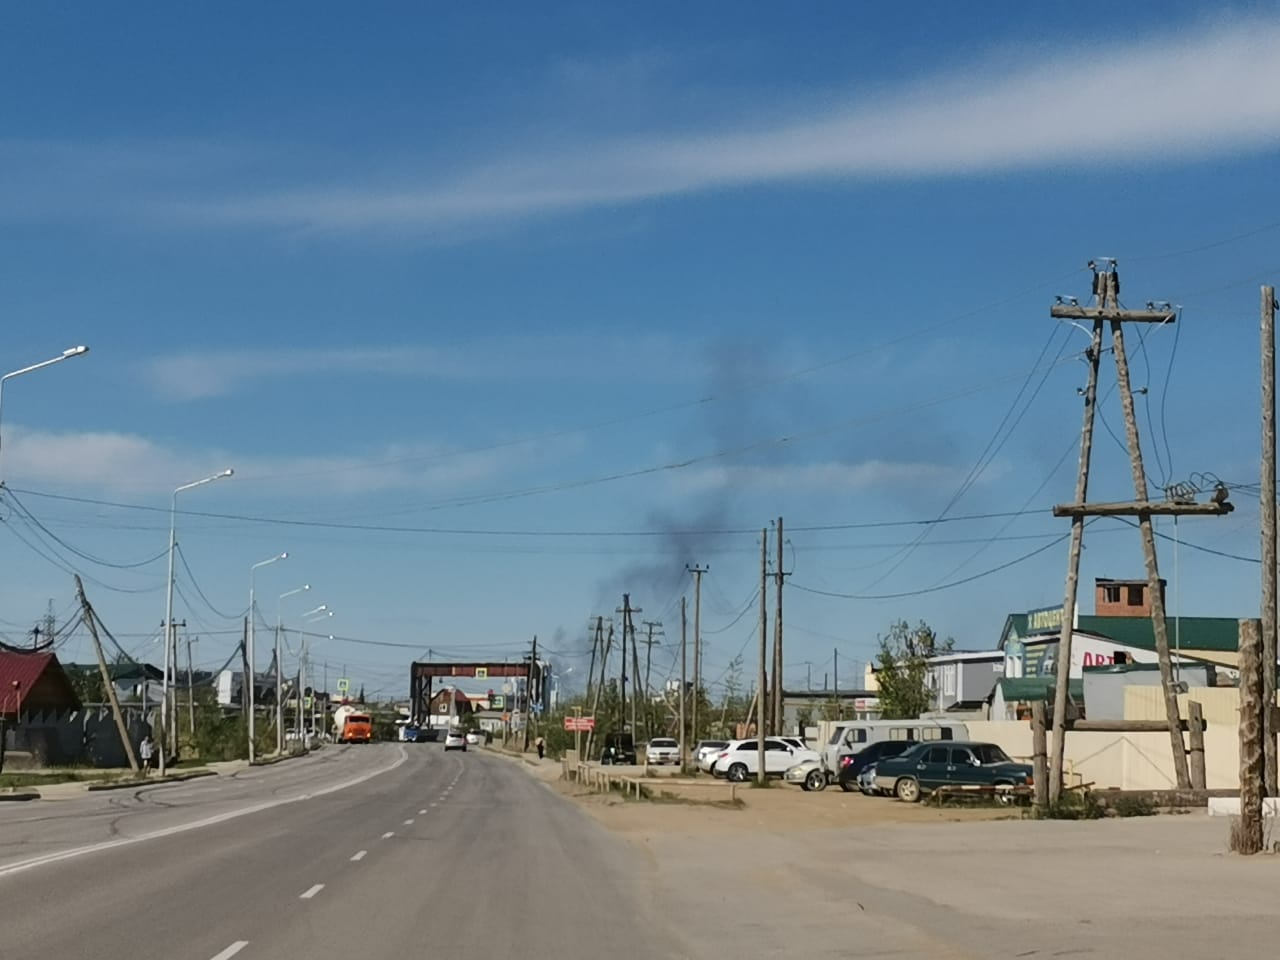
{"type": "Point", "coordinates": [842, 875]}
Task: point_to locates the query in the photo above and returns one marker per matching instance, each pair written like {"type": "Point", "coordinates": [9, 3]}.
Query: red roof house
{"type": "Point", "coordinates": [32, 682]}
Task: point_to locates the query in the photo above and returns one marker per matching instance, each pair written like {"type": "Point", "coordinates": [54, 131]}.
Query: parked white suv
{"type": "Point", "coordinates": [739, 761]}
{"type": "Point", "coordinates": [662, 750]}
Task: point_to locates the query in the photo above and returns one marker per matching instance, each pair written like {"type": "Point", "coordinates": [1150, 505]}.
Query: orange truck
{"type": "Point", "coordinates": [356, 728]}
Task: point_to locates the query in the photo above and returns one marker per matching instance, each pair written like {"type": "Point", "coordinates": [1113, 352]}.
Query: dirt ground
{"type": "Point", "coordinates": [704, 808]}
{"type": "Point", "coordinates": [832, 874]}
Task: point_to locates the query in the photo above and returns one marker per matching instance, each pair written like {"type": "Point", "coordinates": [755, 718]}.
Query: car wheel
{"type": "Point", "coordinates": [1004, 793]}
{"type": "Point", "coordinates": [816, 780]}
{"type": "Point", "coordinates": [908, 790]}
{"type": "Point", "coordinates": [737, 773]}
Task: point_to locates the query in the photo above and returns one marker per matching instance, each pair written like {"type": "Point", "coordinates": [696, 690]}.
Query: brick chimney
{"type": "Point", "coordinates": [1123, 598]}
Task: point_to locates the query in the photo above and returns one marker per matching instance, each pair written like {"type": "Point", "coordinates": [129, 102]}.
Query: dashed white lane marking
{"type": "Point", "coordinates": [388, 835]}
{"type": "Point", "coordinates": [48, 858]}
{"type": "Point", "coordinates": [232, 950]}
{"type": "Point", "coordinates": [312, 892]}
{"type": "Point", "coordinates": [359, 855]}
{"type": "Point", "coordinates": [431, 804]}
{"type": "Point", "coordinates": [421, 812]}
{"type": "Point", "coordinates": [409, 822]}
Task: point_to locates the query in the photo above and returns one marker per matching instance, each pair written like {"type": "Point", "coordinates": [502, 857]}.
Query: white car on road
{"type": "Point", "coordinates": [705, 753]}
{"type": "Point", "coordinates": [662, 750]}
{"type": "Point", "coordinates": [454, 740]}
{"type": "Point", "coordinates": [739, 761]}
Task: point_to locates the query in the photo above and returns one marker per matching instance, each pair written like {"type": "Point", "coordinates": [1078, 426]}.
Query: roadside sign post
{"type": "Point", "coordinates": [576, 725]}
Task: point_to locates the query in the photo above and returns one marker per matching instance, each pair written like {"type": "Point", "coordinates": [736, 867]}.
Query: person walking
{"type": "Point", "coordinates": [542, 747]}
{"type": "Point", "coordinates": [146, 751]}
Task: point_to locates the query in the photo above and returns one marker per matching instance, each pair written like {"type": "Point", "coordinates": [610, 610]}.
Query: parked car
{"type": "Point", "coordinates": [809, 774]}
{"type": "Point", "coordinates": [454, 740]}
{"type": "Point", "coordinates": [852, 764]}
{"type": "Point", "coordinates": [852, 736]}
{"type": "Point", "coordinates": [619, 748]}
{"type": "Point", "coordinates": [705, 753]}
{"type": "Point", "coordinates": [740, 759]}
{"type": "Point", "coordinates": [867, 781]}
{"type": "Point", "coordinates": [662, 750]}
{"type": "Point", "coordinates": [473, 738]}
{"type": "Point", "coordinates": [928, 766]}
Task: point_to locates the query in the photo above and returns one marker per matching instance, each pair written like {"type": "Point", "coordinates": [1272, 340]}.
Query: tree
{"type": "Point", "coordinates": [902, 669]}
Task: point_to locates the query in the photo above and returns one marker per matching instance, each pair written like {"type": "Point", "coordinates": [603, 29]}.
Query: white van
{"type": "Point", "coordinates": [851, 736]}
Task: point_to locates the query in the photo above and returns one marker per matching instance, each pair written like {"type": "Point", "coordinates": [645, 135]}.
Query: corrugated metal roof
{"type": "Point", "coordinates": [24, 669]}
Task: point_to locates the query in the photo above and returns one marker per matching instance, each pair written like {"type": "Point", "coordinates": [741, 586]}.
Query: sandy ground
{"type": "Point", "coordinates": [841, 875]}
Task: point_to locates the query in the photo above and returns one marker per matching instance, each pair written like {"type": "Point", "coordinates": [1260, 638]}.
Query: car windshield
{"type": "Point", "coordinates": [656, 743]}
{"type": "Point", "coordinates": [989, 753]}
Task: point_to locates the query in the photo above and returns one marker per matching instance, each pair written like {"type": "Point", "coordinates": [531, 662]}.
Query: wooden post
{"type": "Point", "coordinates": [1268, 516]}
{"type": "Point", "coordinates": [684, 687]}
{"type": "Point", "coordinates": [1195, 734]}
{"type": "Point", "coordinates": [595, 705]}
{"type": "Point", "coordinates": [776, 700]}
{"type": "Point", "coordinates": [108, 688]}
{"type": "Point", "coordinates": [1252, 763]}
{"type": "Point", "coordinates": [762, 686]}
{"type": "Point", "coordinates": [1039, 749]}
{"type": "Point", "coordinates": [1159, 626]}
{"type": "Point", "coordinates": [1062, 686]}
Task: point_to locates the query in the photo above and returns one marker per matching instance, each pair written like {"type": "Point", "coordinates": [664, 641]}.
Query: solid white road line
{"type": "Point", "coordinates": [388, 834]}
{"type": "Point", "coordinates": [359, 855]}
{"type": "Point", "coordinates": [312, 892]}
{"type": "Point", "coordinates": [232, 950]}
{"type": "Point", "coordinates": [47, 858]}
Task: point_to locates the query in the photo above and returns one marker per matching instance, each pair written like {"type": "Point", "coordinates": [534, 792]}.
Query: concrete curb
{"type": "Point", "coordinates": [272, 761]}
{"type": "Point", "coordinates": [17, 797]}
{"type": "Point", "coordinates": [149, 781]}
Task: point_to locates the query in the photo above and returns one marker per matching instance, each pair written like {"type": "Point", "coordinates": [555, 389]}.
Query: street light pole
{"type": "Point", "coordinates": [251, 681]}
{"type": "Point", "coordinates": [279, 664]}
{"type": "Point", "coordinates": [170, 645]}
{"type": "Point", "coordinates": [65, 355]}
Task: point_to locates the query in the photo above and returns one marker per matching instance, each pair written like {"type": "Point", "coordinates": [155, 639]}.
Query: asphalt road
{"type": "Point", "coordinates": [382, 851]}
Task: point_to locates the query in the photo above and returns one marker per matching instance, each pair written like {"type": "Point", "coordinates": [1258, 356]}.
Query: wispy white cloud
{"type": "Point", "coordinates": [200, 374]}
{"type": "Point", "coordinates": [125, 463]}
{"type": "Point", "coordinates": [1204, 91]}
{"type": "Point", "coordinates": [1167, 98]}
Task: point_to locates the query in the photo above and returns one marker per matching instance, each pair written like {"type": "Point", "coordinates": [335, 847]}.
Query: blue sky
{"type": "Point", "coordinates": [449, 289]}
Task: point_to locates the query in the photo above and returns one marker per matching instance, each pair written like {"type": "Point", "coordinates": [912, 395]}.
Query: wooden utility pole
{"type": "Point", "coordinates": [684, 690]}
{"type": "Point", "coordinates": [109, 688]}
{"type": "Point", "coordinates": [635, 681]}
{"type": "Point", "coordinates": [1039, 760]}
{"type": "Point", "coordinates": [1106, 288]}
{"type": "Point", "coordinates": [762, 684]}
{"type": "Point", "coordinates": [1177, 746]}
{"type": "Point", "coordinates": [776, 705]}
{"type": "Point", "coordinates": [595, 645]}
{"type": "Point", "coordinates": [1269, 625]}
{"type": "Point", "coordinates": [697, 572]}
{"type": "Point", "coordinates": [246, 679]}
{"type": "Point", "coordinates": [528, 692]}
{"type": "Point", "coordinates": [191, 696]}
{"type": "Point", "coordinates": [604, 668]}
{"type": "Point", "coordinates": [1252, 763]}
{"type": "Point", "coordinates": [649, 719]}
{"type": "Point", "coordinates": [1062, 686]}
{"type": "Point", "coordinates": [625, 610]}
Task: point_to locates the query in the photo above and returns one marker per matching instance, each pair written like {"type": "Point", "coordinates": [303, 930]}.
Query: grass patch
{"type": "Point", "coordinates": [46, 778]}
{"type": "Point", "coordinates": [674, 799]}
{"type": "Point", "coordinates": [1081, 805]}
{"type": "Point", "coordinates": [1133, 807]}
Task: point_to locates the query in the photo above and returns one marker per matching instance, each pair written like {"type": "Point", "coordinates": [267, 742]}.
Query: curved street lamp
{"type": "Point", "coordinates": [65, 355]}
{"type": "Point", "coordinates": [251, 681]}
{"type": "Point", "coordinates": [170, 635]}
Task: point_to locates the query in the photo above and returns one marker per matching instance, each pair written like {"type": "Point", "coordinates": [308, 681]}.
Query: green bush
{"type": "Point", "coordinates": [1134, 807]}
{"type": "Point", "coordinates": [1075, 805]}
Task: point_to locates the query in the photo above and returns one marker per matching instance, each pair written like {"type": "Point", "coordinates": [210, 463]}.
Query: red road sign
{"type": "Point", "coordinates": [580, 724]}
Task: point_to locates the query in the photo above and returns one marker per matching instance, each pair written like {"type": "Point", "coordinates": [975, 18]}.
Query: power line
{"type": "Point", "coordinates": [935, 589]}
{"type": "Point", "coordinates": [478, 532]}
